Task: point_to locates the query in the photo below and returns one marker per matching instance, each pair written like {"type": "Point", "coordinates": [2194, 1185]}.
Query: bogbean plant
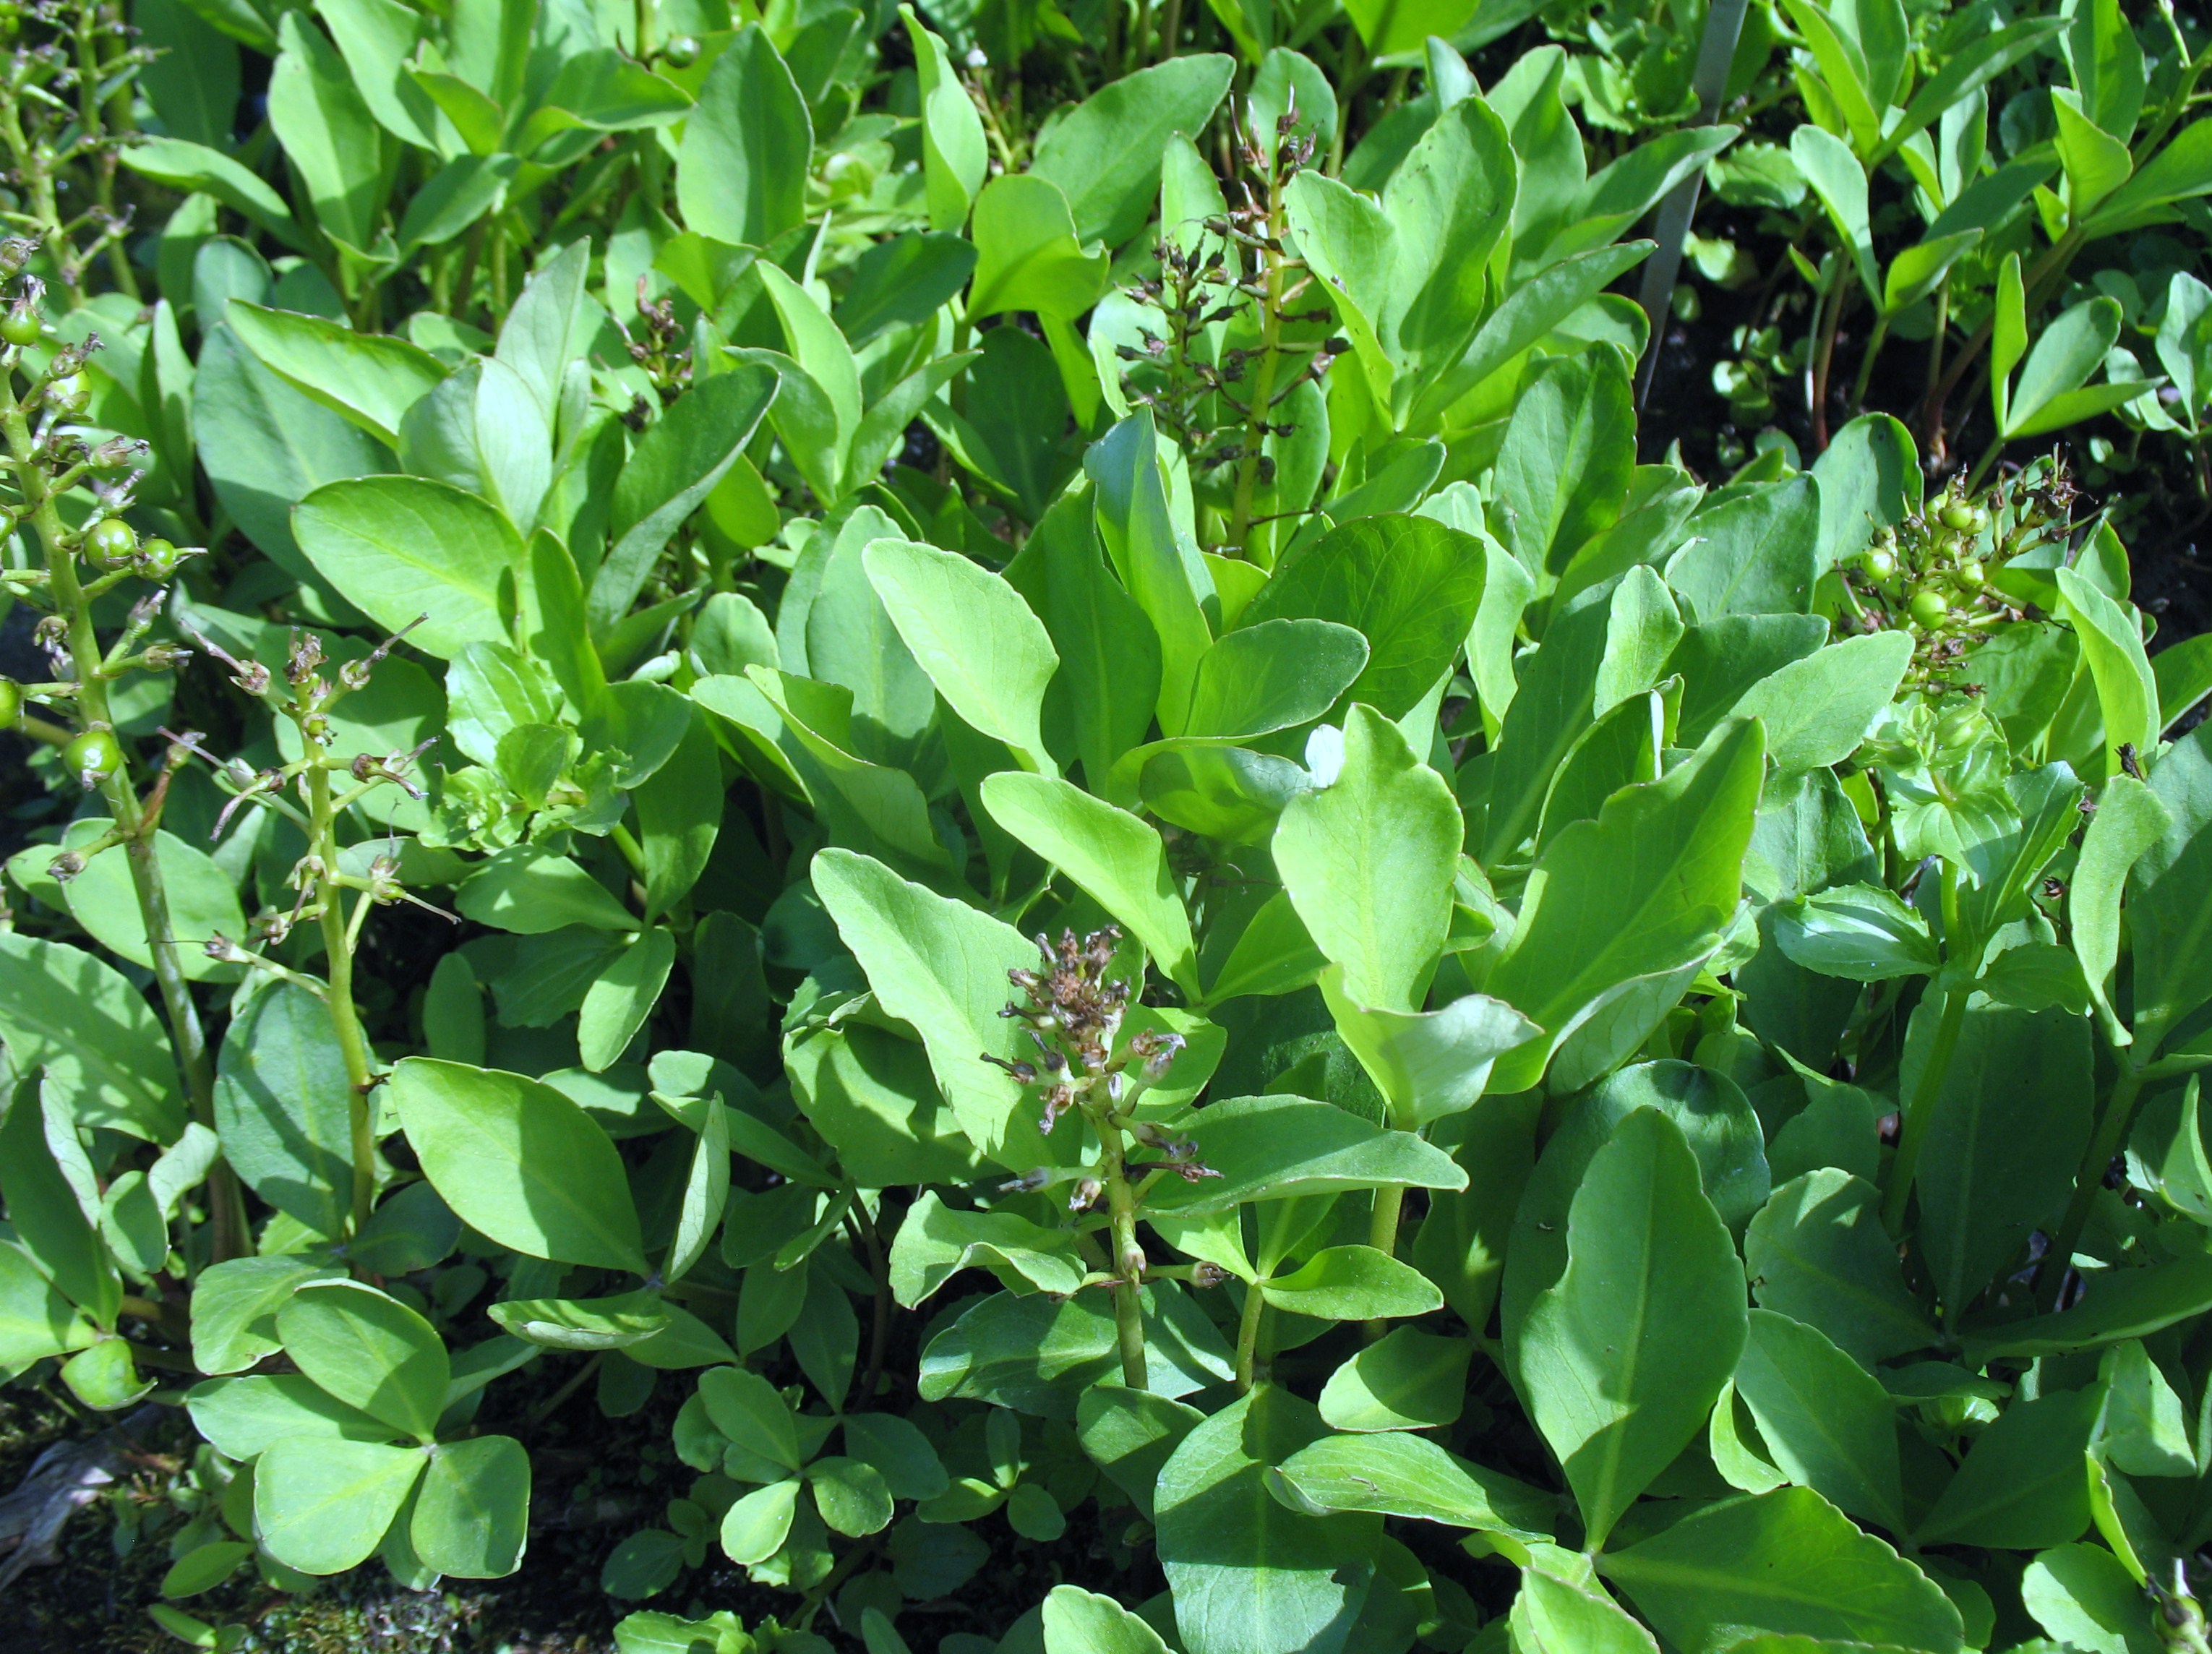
{"type": "Point", "coordinates": [1038, 823]}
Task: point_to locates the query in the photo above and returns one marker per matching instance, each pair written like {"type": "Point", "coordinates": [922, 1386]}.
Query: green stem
{"type": "Point", "coordinates": [337, 945]}
{"type": "Point", "coordinates": [2119, 1113]}
{"type": "Point", "coordinates": [1248, 1334]}
{"type": "Point", "coordinates": [1263, 378]}
{"type": "Point", "coordinates": [1982, 465]}
{"type": "Point", "coordinates": [1874, 341]}
{"type": "Point", "coordinates": [187, 1035]}
{"type": "Point", "coordinates": [1128, 1262]}
{"type": "Point", "coordinates": [1920, 1109]}
{"type": "Point", "coordinates": [1383, 1236]}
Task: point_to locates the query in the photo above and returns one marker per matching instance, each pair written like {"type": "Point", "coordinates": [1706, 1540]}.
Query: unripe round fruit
{"type": "Point", "coordinates": [68, 393]}
{"type": "Point", "coordinates": [681, 51]}
{"type": "Point", "coordinates": [111, 541]}
{"type": "Point", "coordinates": [157, 559]}
{"type": "Point", "coordinates": [92, 756]}
{"type": "Point", "coordinates": [1928, 608]}
{"type": "Point", "coordinates": [1969, 574]}
{"type": "Point", "coordinates": [1880, 566]}
{"type": "Point", "coordinates": [1957, 515]}
{"type": "Point", "coordinates": [11, 703]}
{"type": "Point", "coordinates": [20, 327]}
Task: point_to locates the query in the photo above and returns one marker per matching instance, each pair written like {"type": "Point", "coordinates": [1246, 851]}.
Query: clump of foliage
{"type": "Point", "coordinates": [970, 744]}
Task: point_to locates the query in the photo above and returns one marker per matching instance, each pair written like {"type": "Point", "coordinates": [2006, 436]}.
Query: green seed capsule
{"type": "Point", "coordinates": [21, 327]}
{"type": "Point", "coordinates": [1957, 515]}
{"type": "Point", "coordinates": [92, 756]}
{"type": "Point", "coordinates": [157, 559]}
{"type": "Point", "coordinates": [11, 703]}
{"type": "Point", "coordinates": [69, 394]}
{"type": "Point", "coordinates": [110, 542]}
{"type": "Point", "coordinates": [1969, 574]}
{"type": "Point", "coordinates": [1880, 565]}
{"type": "Point", "coordinates": [681, 51]}
{"type": "Point", "coordinates": [1928, 608]}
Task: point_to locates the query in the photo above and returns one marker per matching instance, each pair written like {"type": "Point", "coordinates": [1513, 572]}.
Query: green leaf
{"type": "Point", "coordinates": [989, 657]}
{"type": "Point", "coordinates": [2112, 642]}
{"type": "Point", "coordinates": [1869, 479]}
{"type": "Point", "coordinates": [686, 452]}
{"type": "Point", "coordinates": [1427, 1064]}
{"type": "Point", "coordinates": [370, 379]}
{"type": "Point", "coordinates": [1027, 257]}
{"type": "Point", "coordinates": [194, 168]}
{"type": "Point", "coordinates": [472, 1512]}
{"type": "Point", "coordinates": [234, 1306]}
{"type": "Point", "coordinates": [2086, 1599]}
{"type": "Point", "coordinates": [322, 1505]}
{"type": "Point", "coordinates": [283, 1107]}
{"type": "Point", "coordinates": [623, 997]}
{"type": "Point", "coordinates": [1130, 1433]}
{"type": "Point", "coordinates": [1835, 173]}
{"type": "Point", "coordinates": [243, 1416]}
{"type": "Point", "coordinates": [1078, 1621]}
{"type": "Point", "coordinates": [1406, 1475]}
{"type": "Point", "coordinates": [203, 1567]}
{"type": "Point", "coordinates": [401, 548]}
{"type": "Point", "coordinates": [1167, 580]}
{"type": "Point", "coordinates": [1817, 710]}
{"type": "Point", "coordinates": [954, 157]}
{"type": "Point", "coordinates": [1642, 892]}
{"type": "Point", "coordinates": [519, 1162]}
{"type": "Point", "coordinates": [1827, 1422]}
{"type": "Point", "coordinates": [2180, 172]}
{"type": "Point", "coordinates": [593, 1323]}
{"type": "Point", "coordinates": [936, 1242]}
{"type": "Point", "coordinates": [679, 815]}
{"type": "Point", "coordinates": [755, 1528]}
{"type": "Point", "coordinates": [369, 1351]}
{"type": "Point", "coordinates": [64, 1010]}
{"type": "Point", "coordinates": [746, 1408]}
{"type": "Point", "coordinates": [1550, 1616]}
{"type": "Point", "coordinates": [1251, 1576]}
{"type": "Point", "coordinates": [2124, 1304]}
{"type": "Point", "coordinates": [1859, 932]}
{"type": "Point", "coordinates": [1286, 1147]}
{"type": "Point", "coordinates": [2067, 351]}
{"type": "Point", "coordinates": [2025, 1485]}
{"type": "Point", "coordinates": [941, 966]}
{"type": "Point", "coordinates": [851, 1496]}
{"type": "Point", "coordinates": [333, 143]}
{"type": "Point", "coordinates": [2097, 163]}
{"type": "Point", "coordinates": [531, 890]}
{"type": "Point", "coordinates": [35, 1320]}
{"type": "Point", "coordinates": [1104, 153]}
{"type": "Point", "coordinates": [1110, 854]}
{"type": "Point", "coordinates": [1353, 1283]}
{"type": "Point", "coordinates": [1567, 459]}
{"type": "Point", "coordinates": [1369, 861]}
{"type": "Point", "coordinates": [2010, 1122]}
{"type": "Point", "coordinates": [1817, 1254]}
{"type": "Point", "coordinates": [741, 169]}
{"type": "Point", "coordinates": [1409, 585]}
{"type": "Point", "coordinates": [1786, 1561]}
{"type": "Point", "coordinates": [1409, 1380]}
{"type": "Point", "coordinates": [1757, 553]}
{"type": "Point", "coordinates": [705, 1196]}
{"type": "Point", "coordinates": [2143, 1432]}
{"type": "Point", "coordinates": [1276, 675]}
{"type": "Point", "coordinates": [1620, 1361]}
{"type": "Point", "coordinates": [897, 1447]}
